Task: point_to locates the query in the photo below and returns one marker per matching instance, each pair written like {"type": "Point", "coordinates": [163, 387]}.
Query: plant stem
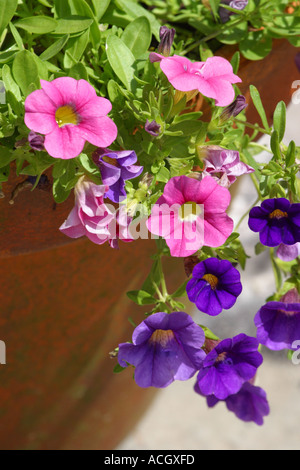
{"type": "Point", "coordinates": [244, 215]}
{"type": "Point", "coordinates": [256, 127]}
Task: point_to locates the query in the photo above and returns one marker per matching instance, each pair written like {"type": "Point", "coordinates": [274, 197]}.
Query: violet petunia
{"type": "Point", "coordinates": [278, 324]}
{"type": "Point", "coordinates": [224, 165]}
{"type": "Point", "coordinates": [288, 252]}
{"type": "Point", "coordinates": [248, 404]}
{"type": "Point", "coordinates": [90, 216]}
{"type": "Point", "coordinates": [215, 285]}
{"type": "Point", "coordinates": [213, 78]}
{"type": "Point", "coordinates": [230, 364]}
{"type": "Point", "coordinates": [69, 113]}
{"type": "Point", "coordinates": [165, 347]}
{"type": "Point", "coordinates": [116, 167]}
{"type": "Point", "coordinates": [277, 221]}
{"type": "Point", "coordinates": [36, 141]}
{"type": "Point", "coordinates": [190, 214]}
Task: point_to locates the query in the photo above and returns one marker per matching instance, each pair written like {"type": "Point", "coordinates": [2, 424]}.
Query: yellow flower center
{"type": "Point", "coordinates": [111, 161]}
{"type": "Point", "coordinates": [277, 214]}
{"type": "Point", "coordinates": [211, 279]}
{"type": "Point", "coordinates": [162, 337]}
{"type": "Point", "coordinates": [189, 211]}
{"type": "Point", "coordinates": [66, 115]}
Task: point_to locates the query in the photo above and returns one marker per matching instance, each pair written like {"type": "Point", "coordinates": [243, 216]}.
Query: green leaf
{"type": "Point", "coordinates": [121, 60]}
{"type": "Point", "coordinates": [37, 24]}
{"type": "Point", "coordinates": [137, 36]}
{"type": "Point", "coordinates": [9, 83]}
{"type": "Point", "coordinates": [7, 10]}
{"type": "Point", "coordinates": [274, 143]}
{"type": "Point", "coordinates": [256, 45]}
{"type": "Point", "coordinates": [186, 127]}
{"type": "Point", "coordinates": [259, 248]}
{"type": "Point", "coordinates": [141, 297]}
{"type": "Point", "coordinates": [259, 106]}
{"type": "Point", "coordinates": [72, 24]}
{"type": "Point", "coordinates": [54, 49]}
{"type": "Point", "coordinates": [135, 11]}
{"type": "Point", "coordinates": [60, 194]}
{"type": "Point", "coordinates": [100, 7]}
{"type": "Point", "coordinates": [25, 71]}
{"type": "Point", "coordinates": [78, 71]}
{"type": "Point", "coordinates": [75, 49]}
{"type": "Point", "coordinates": [209, 334]}
{"type": "Point", "coordinates": [290, 154]}
{"type": "Point", "coordinates": [16, 36]}
{"type": "Point", "coordinates": [5, 156]}
{"type": "Point", "coordinates": [235, 61]}
{"type": "Point", "coordinates": [279, 119]}
{"type": "Point", "coordinates": [163, 175]}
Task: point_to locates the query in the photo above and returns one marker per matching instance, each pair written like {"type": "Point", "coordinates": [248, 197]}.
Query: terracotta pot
{"type": "Point", "coordinates": [64, 308]}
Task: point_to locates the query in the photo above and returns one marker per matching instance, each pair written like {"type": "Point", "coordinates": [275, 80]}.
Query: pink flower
{"type": "Point", "coordinates": [223, 165]}
{"type": "Point", "coordinates": [90, 216]}
{"type": "Point", "coordinates": [69, 113]}
{"type": "Point", "coordinates": [119, 228]}
{"type": "Point", "coordinates": [190, 214]}
{"type": "Point", "coordinates": [213, 78]}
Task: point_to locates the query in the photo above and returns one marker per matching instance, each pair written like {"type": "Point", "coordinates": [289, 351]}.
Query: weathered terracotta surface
{"type": "Point", "coordinates": [62, 311]}
{"type": "Point", "coordinates": [63, 308]}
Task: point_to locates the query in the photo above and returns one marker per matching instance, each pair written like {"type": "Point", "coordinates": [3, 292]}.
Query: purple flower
{"type": "Point", "coordinates": [249, 404]}
{"type": "Point", "coordinates": [116, 167]}
{"type": "Point", "coordinates": [237, 4]}
{"type": "Point", "coordinates": [36, 141]}
{"type": "Point", "coordinates": [233, 109]}
{"type": "Point", "coordinates": [278, 324]}
{"type": "Point", "coordinates": [223, 165]}
{"type": "Point", "coordinates": [166, 347]}
{"type": "Point", "coordinates": [288, 252]}
{"type": "Point", "coordinates": [277, 221]}
{"type": "Point", "coordinates": [215, 285]}
{"type": "Point", "coordinates": [152, 128]}
{"type": "Point", "coordinates": [228, 366]}
{"type": "Point", "coordinates": [166, 40]}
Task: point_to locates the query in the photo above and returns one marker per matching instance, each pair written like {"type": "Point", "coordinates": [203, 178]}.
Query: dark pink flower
{"type": "Point", "coordinates": [69, 113]}
{"type": "Point", "coordinates": [190, 214]}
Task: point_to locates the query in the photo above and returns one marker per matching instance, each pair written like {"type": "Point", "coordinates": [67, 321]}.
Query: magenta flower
{"type": "Point", "coordinates": [90, 216]}
{"type": "Point", "coordinates": [224, 165]}
{"type": "Point", "coordinates": [165, 347]}
{"type": "Point", "coordinates": [190, 214]}
{"type": "Point", "coordinates": [213, 78]}
{"type": "Point", "coordinates": [69, 113]}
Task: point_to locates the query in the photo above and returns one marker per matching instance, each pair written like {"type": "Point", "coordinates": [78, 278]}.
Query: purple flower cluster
{"type": "Point", "coordinates": [167, 347]}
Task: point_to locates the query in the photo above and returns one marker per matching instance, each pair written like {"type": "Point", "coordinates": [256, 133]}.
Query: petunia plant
{"type": "Point", "coordinates": [101, 102]}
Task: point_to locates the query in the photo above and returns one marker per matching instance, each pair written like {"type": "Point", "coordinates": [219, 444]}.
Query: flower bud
{"type": "Point", "coordinates": [235, 108]}
{"type": "Point", "coordinates": [166, 40]}
{"type": "Point", "coordinates": [36, 141]}
{"type": "Point", "coordinates": [152, 128]}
